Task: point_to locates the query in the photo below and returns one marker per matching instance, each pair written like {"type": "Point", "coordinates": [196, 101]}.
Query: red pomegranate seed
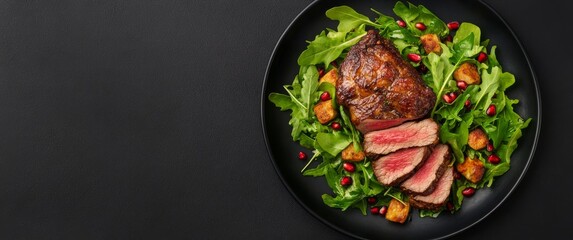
{"type": "Point", "coordinates": [493, 159]}
{"type": "Point", "coordinates": [346, 181]}
{"type": "Point", "coordinates": [320, 72]}
{"type": "Point", "coordinates": [383, 210]}
{"type": "Point", "coordinates": [453, 25]}
{"type": "Point", "coordinates": [490, 111]}
{"type": "Point", "coordinates": [334, 63]}
{"type": "Point", "coordinates": [301, 155]}
{"type": "Point", "coordinates": [468, 104]}
{"type": "Point", "coordinates": [325, 96]}
{"type": "Point", "coordinates": [469, 191]}
{"type": "Point", "coordinates": [482, 57]}
{"type": "Point", "coordinates": [489, 147]}
{"type": "Point", "coordinates": [401, 23]}
{"type": "Point", "coordinates": [449, 38]}
{"type": "Point", "coordinates": [414, 57]}
{"type": "Point", "coordinates": [336, 126]}
{"type": "Point", "coordinates": [450, 206]}
{"type": "Point", "coordinates": [371, 200]}
{"type": "Point", "coordinates": [375, 210]}
{"type": "Point", "coordinates": [457, 175]}
{"type": "Point", "coordinates": [420, 26]}
{"type": "Point", "coordinates": [450, 97]}
{"type": "Point", "coordinates": [462, 85]}
{"type": "Point", "coordinates": [349, 167]}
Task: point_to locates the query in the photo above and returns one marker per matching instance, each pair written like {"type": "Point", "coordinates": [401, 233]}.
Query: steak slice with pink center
{"type": "Point", "coordinates": [393, 168]}
{"type": "Point", "coordinates": [425, 179]}
{"type": "Point", "coordinates": [406, 135]}
{"type": "Point", "coordinates": [439, 196]}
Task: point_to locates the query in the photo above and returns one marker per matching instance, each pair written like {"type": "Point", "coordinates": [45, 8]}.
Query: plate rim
{"type": "Point", "coordinates": [538, 121]}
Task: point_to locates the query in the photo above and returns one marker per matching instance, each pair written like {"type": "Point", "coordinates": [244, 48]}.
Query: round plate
{"type": "Point", "coordinates": [283, 67]}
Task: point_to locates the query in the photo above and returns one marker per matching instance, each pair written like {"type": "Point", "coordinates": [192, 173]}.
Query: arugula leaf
{"type": "Point", "coordinates": [333, 143]}
{"type": "Point", "coordinates": [348, 18]}
{"type": "Point", "coordinates": [327, 47]}
{"type": "Point", "coordinates": [309, 87]}
{"type": "Point", "coordinates": [412, 14]}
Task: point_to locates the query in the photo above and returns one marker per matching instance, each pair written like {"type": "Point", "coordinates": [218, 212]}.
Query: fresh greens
{"type": "Point", "coordinates": [456, 118]}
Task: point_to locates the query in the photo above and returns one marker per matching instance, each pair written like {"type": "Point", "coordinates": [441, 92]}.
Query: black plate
{"type": "Point", "coordinates": [307, 190]}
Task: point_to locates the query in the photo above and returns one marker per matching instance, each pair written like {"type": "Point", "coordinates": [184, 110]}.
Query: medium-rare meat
{"type": "Point", "coordinates": [439, 196]}
{"type": "Point", "coordinates": [379, 88]}
{"type": "Point", "coordinates": [409, 134]}
{"type": "Point", "coordinates": [425, 179]}
{"type": "Point", "coordinates": [393, 168]}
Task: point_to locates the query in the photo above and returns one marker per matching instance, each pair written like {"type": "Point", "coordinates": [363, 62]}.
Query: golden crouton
{"type": "Point", "coordinates": [349, 154]}
{"type": "Point", "coordinates": [330, 77]}
{"type": "Point", "coordinates": [397, 212]}
{"type": "Point", "coordinates": [471, 169]}
{"type": "Point", "coordinates": [325, 112]}
{"type": "Point", "coordinates": [431, 43]}
{"type": "Point", "coordinates": [477, 139]}
{"type": "Point", "coordinates": [468, 73]}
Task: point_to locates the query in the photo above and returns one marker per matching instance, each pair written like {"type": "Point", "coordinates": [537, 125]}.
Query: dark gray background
{"type": "Point", "coordinates": [141, 120]}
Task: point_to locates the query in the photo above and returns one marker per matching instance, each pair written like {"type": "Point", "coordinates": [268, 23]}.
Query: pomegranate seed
{"type": "Point", "coordinates": [336, 126]}
{"type": "Point", "coordinates": [468, 104]}
{"type": "Point", "coordinates": [320, 72]}
{"type": "Point", "coordinates": [383, 210]}
{"type": "Point", "coordinates": [301, 155]}
{"type": "Point", "coordinates": [375, 210]}
{"type": "Point", "coordinates": [420, 26]}
{"type": "Point", "coordinates": [482, 57]}
{"type": "Point", "coordinates": [450, 97]}
{"type": "Point", "coordinates": [449, 38]}
{"type": "Point", "coordinates": [346, 181]}
{"type": "Point", "coordinates": [469, 191]}
{"type": "Point", "coordinates": [462, 85]}
{"type": "Point", "coordinates": [414, 57]}
{"type": "Point", "coordinates": [453, 25]}
{"type": "Point", "coordinates": [493, 159]}
{"type": "Point", "coordinates": [334, 63]}
{"type": "Point", "coordinates": [457, 175]}
{"type": "Point", "coordinates": [349, 167]}
{"type": "Point", "coordinates": [325, 96]}
{"type": "Point", "coordinates": [450, 206]}
{"type": "Point", "coordinates": [490, 110]}
{"type": "Point", "coordinates": [371, 200]}
{"type": "Point", "coordinates": [489, 147]}
{"type": "Point", "coordinates": [401, 23]}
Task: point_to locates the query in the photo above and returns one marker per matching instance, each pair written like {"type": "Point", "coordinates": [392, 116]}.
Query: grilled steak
{"type": "Point", "coordinates": [376, 84]}
{"type": "Point", "coordinates": [393, 168]}
{"type": "Point", "coordinates": [409, 134]}
{"type": "Point", "coordinates": [425, 179]}
{"type": "Point", "coordinates": [439, 196]}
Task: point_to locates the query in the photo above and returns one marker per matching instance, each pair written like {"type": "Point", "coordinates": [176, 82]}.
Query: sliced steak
{"type": "Point", "coordinates": [439, 196]}
{"type": "Point", "coordinates": [406, 135]}
{"type": "Point", "coordinates": [425, 179]}
{"type": "Point", "coordinates": [375, 83]}
{"type": "Point", "coordinates": [393, 168]}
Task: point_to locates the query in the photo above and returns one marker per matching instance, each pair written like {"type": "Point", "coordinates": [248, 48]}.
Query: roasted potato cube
{"type": "Point", "coordinates": [330, 77]}
{"type": "Point", "coordinates": [477, 139]}
{"type": "Point", "coordinates": [431, 43]}
{"type": "Point", "coordinates": [349, 154]}
{"type": "Point", "coordinates": [468, 73]}
{"type": "Point", "coordinates": [397, 212]}
{"type": "Point", "coordinates": [325, 112]}
{"type": "Point", "coordinates": [471, 169]}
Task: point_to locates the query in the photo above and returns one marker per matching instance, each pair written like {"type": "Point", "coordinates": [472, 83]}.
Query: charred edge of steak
{"type": "Point", "coordinates": [444, 164]}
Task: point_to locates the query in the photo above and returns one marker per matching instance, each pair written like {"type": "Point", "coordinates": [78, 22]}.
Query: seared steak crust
{"type": "Point", "coordinates": [375, 82]}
